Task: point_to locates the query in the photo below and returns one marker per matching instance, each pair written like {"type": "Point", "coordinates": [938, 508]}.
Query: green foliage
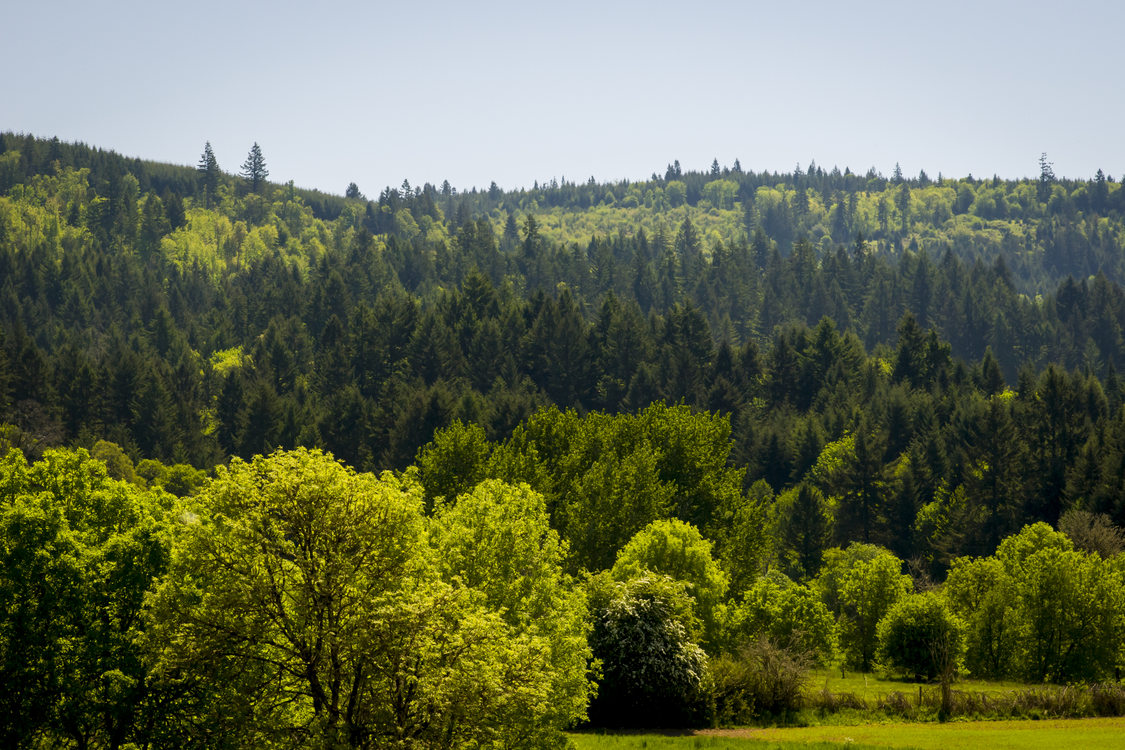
{"type": "Point", "coordinates": [607, 477]}
{"type": "Point", "coordinates": [1071, 613]}
{"type": "Point", "coordinates": [984, 596]}
{"type": "Point", "coordinates": [254, 168]}
{"type": "Point", "coordinates": [920, 637]}
{"type": "Point", "coordinates": [721, 193]}
{"type": "Point", "coordinates": [860, 584]}
{"type": "Point", "coordinates": [775, 359]}
{"type": "Point", "coordinates": [128, 278]}
{"type": "Point", "coordinates": [497, 540]}
{"type": "Point", "coordinates": [804, 525]}
{"type": "Point", "coordinates": [1016, 550]}
{"type": "Point", "coordinates": [209, 173]}
{"type": "Point", "coordinates": [744, 537]}
{"type": "Point", "coordinates": [676, 193]}
{"type": "Point", "coordinates": [455, 462]}
{"type": "Point", "coordinates": [303, 603]}
{"type": "Point", "coordinates": [761, 680]}
{"type": "Point", "coordinates": [676, 549]}
{"type": "Point", "coordinates": [1040, 610]}
{"type": "Point", "coordinates": [78, 551]}
{"type": "Point", "coordinates": [790, 615]}
{"type": "Point", "coordinates": [180, 480]}
{"type": "Point", "coordinates": [118, 465]}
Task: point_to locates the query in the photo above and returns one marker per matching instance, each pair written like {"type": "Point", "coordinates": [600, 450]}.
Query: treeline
{"type": "Point", "coordinates": [289, 601]}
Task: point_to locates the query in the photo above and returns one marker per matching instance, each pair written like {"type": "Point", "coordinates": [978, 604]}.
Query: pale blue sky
{"type": "Point", "coordinates": [521, 91]}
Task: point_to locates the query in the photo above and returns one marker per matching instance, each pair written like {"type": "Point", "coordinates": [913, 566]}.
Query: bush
{"type": "Point", "coordinates": [653, 674]}
{"type": "Point", "coordinates": [762, 680]}
{"type": "Point", "coordinates": [827, 702]}
{"type": "Point", "coordinates": [1107, 700]}
{"type": "Point", "coordinates": [1069, 702]}
{"type": "Point", "coordinates": [920, 637]}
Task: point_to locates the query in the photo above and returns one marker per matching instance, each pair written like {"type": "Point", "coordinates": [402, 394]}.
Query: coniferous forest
{"type": "Point", "coordinates": [428, 469]}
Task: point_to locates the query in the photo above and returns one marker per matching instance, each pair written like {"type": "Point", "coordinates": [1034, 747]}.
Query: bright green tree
{"type": "Point", "coordinates": [304, 606]}
{"type": "Point", "coordinates": [742, 537]}
{"type": "Point", "coordinates": [677, 549]}
{"type": "Point", "coordinates": [920, 637]}
{"type": "Point", "coordinates": [455, 461]}
{"type": "Point", "coordinates": [790, 615]}
{"type": "Point", "coordinates": [497, 540]}
{"type": "Point", "coordinates": [860, 584]}
{"type": "Point", "coordinates": [721, 193]}
{"type": "Point", "coordinates": [1070, 615]}
{"type": "Point", "coordinates": [676, 192]}
{"type": "Point", "coordinates": [607, 477]}
{"type": "Point", "coordinates": [78, 551]}
{"type": "Point", "coordinates": [1039, 609]}
{"type": "Point", "coordinates": [983, 595]}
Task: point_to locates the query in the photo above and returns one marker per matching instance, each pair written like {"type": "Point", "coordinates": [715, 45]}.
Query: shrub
{"type": "Point", "coordinates": [1107, 700]}
{"type": "Point", "coordinates": [676, 549]}
{"type": "Point", "coordinates": [763, 679]}
{"type": "Point", "coordinates": [920, 636]}
{"type": "Point", "coordinates": [653, 674]}
{"type": "Point", "coordinates": [828, 702]}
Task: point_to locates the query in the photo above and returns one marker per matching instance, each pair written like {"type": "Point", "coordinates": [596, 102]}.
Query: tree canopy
{"type": "Point", "coordinates": [311, 594]}
{"type": "Point", "coordinates": [737, 411]}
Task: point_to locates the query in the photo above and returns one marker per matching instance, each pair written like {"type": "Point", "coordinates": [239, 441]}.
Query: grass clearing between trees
{"type": "Point", "coordinates": [955, 735]}
{"type": "Point", "coordinates": [873, 686]}
{"type": "Point", "coordinates": [858, 698]}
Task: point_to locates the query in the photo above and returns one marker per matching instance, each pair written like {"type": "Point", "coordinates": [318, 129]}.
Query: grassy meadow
{"type": "Point", "coordinates": [872, 711]}
{"type": "Point", "coordinates": [1088, 734]}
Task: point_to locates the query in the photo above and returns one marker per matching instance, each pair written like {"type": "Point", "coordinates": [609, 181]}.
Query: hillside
{"type": "Point", "coordinates": [190, 322]}
{"type": "Point", "coordinates": [463, 469]}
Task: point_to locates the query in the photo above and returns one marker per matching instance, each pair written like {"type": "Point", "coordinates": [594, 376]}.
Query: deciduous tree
{"type": "Point", "coordinates": [304, 606]}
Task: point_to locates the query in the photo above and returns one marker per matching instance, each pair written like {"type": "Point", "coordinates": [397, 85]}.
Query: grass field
{"type": "Point", "coordinates": [1058, 733]}
{"type": "Point", "coordinates": [874, 686]}
{"type": "Point", "coordinates": [697, 742]}
{"type": "Point", "coordinates": [1075, 734]}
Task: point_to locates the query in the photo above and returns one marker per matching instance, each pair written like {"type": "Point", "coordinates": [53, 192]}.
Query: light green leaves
{"type": "Point", "coordinates": [340, 614]}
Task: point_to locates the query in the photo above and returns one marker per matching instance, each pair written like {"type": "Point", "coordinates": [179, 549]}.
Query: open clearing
{"type": "Point", "coordinates": [954, 735]}
{"type": "Point", "coordinates": [873, 686]}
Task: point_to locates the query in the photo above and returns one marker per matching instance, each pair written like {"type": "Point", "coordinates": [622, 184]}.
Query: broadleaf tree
{"type": "Point", "coordinates": [304, 606]}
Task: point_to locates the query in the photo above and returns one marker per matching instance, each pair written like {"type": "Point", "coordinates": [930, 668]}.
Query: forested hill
{"type": "Point", "coordinates": [924, 334]}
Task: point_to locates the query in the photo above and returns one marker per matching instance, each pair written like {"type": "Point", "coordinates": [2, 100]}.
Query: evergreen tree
{"type": "Point", "coordinates": [1046, 178]}
{"type": "Point", "coordinates": [254, 168]}
{"type": "Point", "coordinates": [208, 168]}
{"type": "Point", "coordinates": [805, 527]}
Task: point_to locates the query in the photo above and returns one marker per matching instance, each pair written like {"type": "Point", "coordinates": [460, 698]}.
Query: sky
{"type": "Point", "coordinates": [519, 92]}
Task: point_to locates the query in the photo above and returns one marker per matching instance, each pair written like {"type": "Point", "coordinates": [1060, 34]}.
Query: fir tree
{"type": "Point", "coordinates": [254, 168]}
